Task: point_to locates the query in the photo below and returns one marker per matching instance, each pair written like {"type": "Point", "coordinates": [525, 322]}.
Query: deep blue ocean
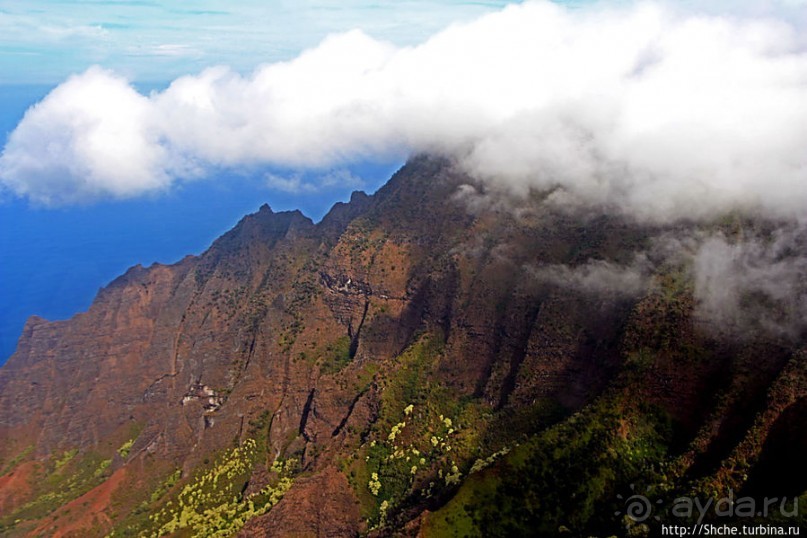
{"type": "Point", "coordinates": [53, 261]}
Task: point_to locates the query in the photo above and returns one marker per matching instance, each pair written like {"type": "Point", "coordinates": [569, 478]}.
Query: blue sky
{"type": "Point", "coordinates": [45, 41]}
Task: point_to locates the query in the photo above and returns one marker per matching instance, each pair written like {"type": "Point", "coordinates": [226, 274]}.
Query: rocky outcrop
{"type": "Point", "coordinates": [321, 506]}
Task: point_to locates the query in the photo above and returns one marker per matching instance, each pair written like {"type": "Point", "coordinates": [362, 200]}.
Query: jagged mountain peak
{"type": "Point", "coordinates": [407, 365]}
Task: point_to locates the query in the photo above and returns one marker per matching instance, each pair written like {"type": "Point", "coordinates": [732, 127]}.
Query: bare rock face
{"type": "Point", "coordinates": [321, 505]}
{"type": "Point", "coordinates": [383, 372]}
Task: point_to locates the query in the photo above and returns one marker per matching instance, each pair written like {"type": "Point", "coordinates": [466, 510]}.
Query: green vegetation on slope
{"type": "Point", "coordinates": [213, 504]}
{"type": "Point", "coordinates": [562, 477]}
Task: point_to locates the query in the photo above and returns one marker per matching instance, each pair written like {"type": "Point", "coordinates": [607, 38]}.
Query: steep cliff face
{"type": "Point", "coordinates": [431, 359]}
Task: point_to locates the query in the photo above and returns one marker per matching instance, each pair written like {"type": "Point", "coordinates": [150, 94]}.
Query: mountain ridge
{"type": "Point", "coordinates": [385, 371]}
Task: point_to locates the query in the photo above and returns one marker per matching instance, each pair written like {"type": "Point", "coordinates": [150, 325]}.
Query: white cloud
{"type": "Point", "coordinates": [298, 183]}
{"type": "Point", "coordinates": [599, 277]}
{"type": "Point", "coordinates": [753, 285]}
{"type": "Point", "coordinates": [170, 50]}
{"type": "Point", "coordinates": [293, 183]}
{"type": "Point", "coordinates": [656, 111]}
{"type": "Point", "coordinates": [341, 177]}
{"type": "Point", "coordinates": [92, 136]}
{"type": "Point", "coordinates": [23, 27]}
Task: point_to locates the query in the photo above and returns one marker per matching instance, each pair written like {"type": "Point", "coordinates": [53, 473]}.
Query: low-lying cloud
{"type": "Point", "coordinates": [754, 286]}
{"type": "Point", "coordinates": [599, 277]}
{"type": "Point", "coordinates": [750, 285]}
{"type": "Point", "coordinates": [651, 110]}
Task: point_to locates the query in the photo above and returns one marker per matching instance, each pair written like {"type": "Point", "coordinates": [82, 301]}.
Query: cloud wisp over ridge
{"type": "Point", "coordinates": [754, 286]}
{"type": "Point", "coordinates": [660, 112]}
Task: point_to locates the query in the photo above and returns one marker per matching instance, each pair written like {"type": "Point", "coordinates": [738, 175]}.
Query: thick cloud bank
{"type": "Point", "coordinates": [657, 112]}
